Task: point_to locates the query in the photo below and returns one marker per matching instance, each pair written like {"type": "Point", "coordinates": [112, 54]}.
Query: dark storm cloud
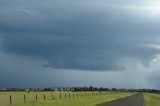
{"type": "Point", "coordinates": [77, 35]}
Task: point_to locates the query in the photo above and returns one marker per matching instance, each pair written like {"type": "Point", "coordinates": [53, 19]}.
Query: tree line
{"type": "Point", "coordinates": [78, 89]}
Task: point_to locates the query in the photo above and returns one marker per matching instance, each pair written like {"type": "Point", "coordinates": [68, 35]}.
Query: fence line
{"type": "Point", "coordinates": [43, 97]}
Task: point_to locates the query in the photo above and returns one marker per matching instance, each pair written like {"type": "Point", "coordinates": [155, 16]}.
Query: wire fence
{"type": "Point", "coordinates": [11, 98]}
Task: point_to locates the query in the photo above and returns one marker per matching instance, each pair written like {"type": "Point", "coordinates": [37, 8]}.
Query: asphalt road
{"type": "Point", "coordinates": [134, 100]}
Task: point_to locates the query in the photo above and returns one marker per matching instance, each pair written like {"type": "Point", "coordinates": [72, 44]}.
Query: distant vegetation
{"type": "Point", "coordinates": [78, 89]}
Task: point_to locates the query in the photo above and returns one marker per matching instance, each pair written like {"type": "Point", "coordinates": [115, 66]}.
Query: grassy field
{"type": "Point", "coordinates": [151, 99]}
{"type": "Point", "coordinates": [58, 98]}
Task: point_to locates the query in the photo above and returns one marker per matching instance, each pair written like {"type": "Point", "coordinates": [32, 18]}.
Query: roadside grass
{"type": "Point", "coordinates": [18, 97]}
{"type": "Point", "coordinates": [151, 99]}
{"type": "Point", "coordinates": [81, 101]}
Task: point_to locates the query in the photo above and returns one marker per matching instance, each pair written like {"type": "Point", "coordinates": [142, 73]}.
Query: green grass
{"type": "Point", "coordinates": [151, 99]}
{"type": "Point", "coordinates": [83, 100]}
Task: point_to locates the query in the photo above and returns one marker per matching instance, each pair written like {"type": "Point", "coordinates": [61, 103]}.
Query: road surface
{"type": "Point", "coordinates": [134, 100]}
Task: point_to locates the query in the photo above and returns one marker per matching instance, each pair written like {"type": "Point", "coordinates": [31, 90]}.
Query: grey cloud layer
{"type": "Point", "coordinates": [47, 43]}
{"type": "Point", "coordinates": [76, 35]}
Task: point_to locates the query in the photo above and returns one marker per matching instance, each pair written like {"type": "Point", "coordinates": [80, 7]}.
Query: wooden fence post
{"type": "Point", "coordinates": [60, 95]}
{"type": "Point", "coordinates": [10, 99]}
{"type": "Point", "coordinates": [36, 97]}
{"type": "Point", "coordinates": [24, 98]}
{"type": "Point", "coordinates": [44, 97]}
{"type": "Point", "coordinates": [52, 97]}
{"type": "Point", "coordinates": [69, 95]}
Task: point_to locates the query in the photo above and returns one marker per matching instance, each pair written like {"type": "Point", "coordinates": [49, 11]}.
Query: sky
{"type": "Point", "coordinates": [74, 43]}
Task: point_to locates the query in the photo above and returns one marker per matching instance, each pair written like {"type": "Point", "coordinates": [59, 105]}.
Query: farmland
{"type": "Point", "coordinates": [69, 98]}
{"type": "Point", "coordinates": [58, 98]}
{"type": "Point", "coordinates": [151, 99]}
